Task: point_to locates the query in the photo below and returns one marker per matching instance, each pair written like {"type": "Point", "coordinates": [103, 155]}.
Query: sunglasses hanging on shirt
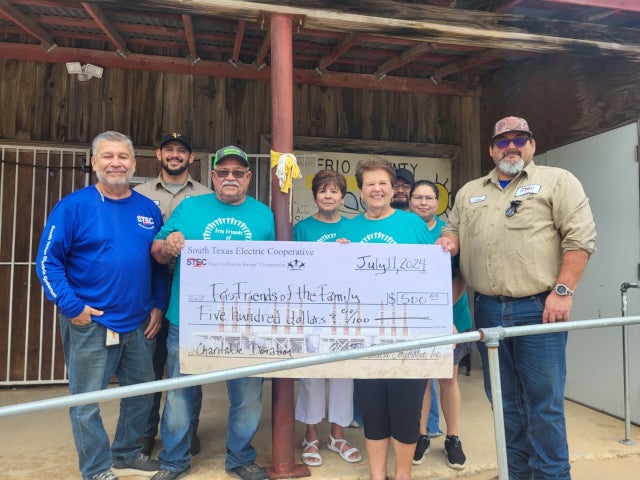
{"type": "Point", "coordinates": [513, 208]}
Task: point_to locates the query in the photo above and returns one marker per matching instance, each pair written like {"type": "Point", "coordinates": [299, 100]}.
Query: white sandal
{"type": "Point", "coordinates": [337, 444]}
{"type": "Point", "coordinates": [312, 459]}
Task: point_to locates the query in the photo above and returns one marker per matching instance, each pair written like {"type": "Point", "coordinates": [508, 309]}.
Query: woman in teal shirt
{"type": "Point", "coordinates": [326, 225]}
{"type": "Point", "coordinates": [390, 406]}
{"type": "Point", "coordinates": [423, 201]}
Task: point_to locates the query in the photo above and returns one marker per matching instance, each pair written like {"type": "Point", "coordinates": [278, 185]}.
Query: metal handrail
{"type": "Point", "coordinates": [491, 336]}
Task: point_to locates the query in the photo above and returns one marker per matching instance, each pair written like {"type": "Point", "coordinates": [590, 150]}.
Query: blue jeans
{"type": "Point", "coordinates": [533, 373]}
{"type": "Point", "coordinates": [245, 395]}
{"type": "Point", "coordinates": [159, 363]}
{"type": "Point", "coordinates": [91, 365]}
{"type": "Point", "coordinates": [357, 411]}
{"type": "Point", "coordinates": [433, 423]}
{"type": "Point", "coordinates": [176, 426]}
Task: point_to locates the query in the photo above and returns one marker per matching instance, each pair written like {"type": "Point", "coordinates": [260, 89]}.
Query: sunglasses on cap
{"type": "Point", "coordinates": [519, 141]}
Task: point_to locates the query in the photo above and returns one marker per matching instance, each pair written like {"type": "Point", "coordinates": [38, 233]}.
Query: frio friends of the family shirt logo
{"type": "Point", "coordinates": [228, 229]}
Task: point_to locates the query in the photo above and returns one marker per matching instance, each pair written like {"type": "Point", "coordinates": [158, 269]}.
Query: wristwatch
{"type": "Point", "coordinates": [562, 290]}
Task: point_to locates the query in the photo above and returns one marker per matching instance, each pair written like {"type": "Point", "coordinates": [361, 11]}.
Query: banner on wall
{"type": "Point", "coordinates": [437, 170]}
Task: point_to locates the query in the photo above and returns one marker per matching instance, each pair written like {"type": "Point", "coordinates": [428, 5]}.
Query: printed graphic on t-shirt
{"type": "Point", "coordinates": [329, 237]}
{"type": "Point", "coordinates": [378, 237]}
{"type": "Point", "coordinates": [145, 222]}
{"type": "Point", "coordinates": [227, 229]}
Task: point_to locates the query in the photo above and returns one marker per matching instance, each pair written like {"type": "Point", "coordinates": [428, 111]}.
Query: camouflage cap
{"type": "Point", "coordinates": [511, 124]}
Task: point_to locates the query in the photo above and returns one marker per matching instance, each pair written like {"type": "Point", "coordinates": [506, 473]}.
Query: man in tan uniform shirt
{"type": "Point", "coordinates": [173, 185]}
{"type": "Point", "coordinates": [525, 233]}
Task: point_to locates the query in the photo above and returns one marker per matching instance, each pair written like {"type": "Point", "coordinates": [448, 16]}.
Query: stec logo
{"type": "Point", "coordinates": [196, 262]}
{"type": "Point", "coordinates": [145, 222]}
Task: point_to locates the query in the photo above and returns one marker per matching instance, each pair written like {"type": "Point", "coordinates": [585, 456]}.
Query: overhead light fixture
{"type": "Point", "coordinates": [84, 72]}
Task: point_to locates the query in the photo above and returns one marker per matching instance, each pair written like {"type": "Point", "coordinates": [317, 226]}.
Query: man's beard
{"type": "Point", "coordinates": [175, 171]}
{"type": "Point", "coordinates": [400, 204]}
{"type": "Point", "coordinates": [115, 183]}
{"type": "Point", "coordinates": [511, 169]}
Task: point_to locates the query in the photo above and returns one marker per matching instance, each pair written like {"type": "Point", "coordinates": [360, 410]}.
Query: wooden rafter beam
{"type": "Point", "coordinates": [424, 23]}
{"type": "Point", "coordinates": [404, 58]}
{"type": "Point", "coordinates": [225, 69]}
{"type": "Point", "coordinates": [626, 5]}
{"type": "Point", "coordinates": [237, 43]}
{"type": "Point", "coordinates": [263, 50]}
{"type": "Point", "coordinates": [27, 24]}
{"type": "Point", "coordinates": [340, 49]}
{"type": "Point", "coordinates": [105, 25]}
{"type": "Point", "coordinates": [466, 64]}
{"type": "Point", "coordinates": [191, 38]}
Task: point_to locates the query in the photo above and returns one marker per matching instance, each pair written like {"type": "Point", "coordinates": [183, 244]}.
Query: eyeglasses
{"type": "Point", "coordinates": [420, 198]}
{"type": "Point", "coordinates": [402, 186]}
{"type": "Point", "coordinates": [519, 141]}
{"type": "Point", "coordinates": [236, 173]}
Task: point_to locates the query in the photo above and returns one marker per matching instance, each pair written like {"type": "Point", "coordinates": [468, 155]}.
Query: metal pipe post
{"type": "Point", "coordinates": [625, 366]}
{"type": "Point", "coordinates": [283, 463]}
{"type": "Point", "coordinates": [491, 338]}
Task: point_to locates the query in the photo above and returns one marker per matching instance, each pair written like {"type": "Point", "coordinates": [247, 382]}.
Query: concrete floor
{"type": "Point", "coordinates": [40, 445]}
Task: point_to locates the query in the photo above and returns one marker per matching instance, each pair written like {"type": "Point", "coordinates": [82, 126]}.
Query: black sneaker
{"type": "Point", "coordinates": [250, 471]}
{"type": "Point", "coordinates": [169, 475]}
{"type": "Point", "coordinates": [453, 451]}
{"type": "Point", "coordinates": [140, 465]}
{"type": "Point", "coordinates": [422, 448]}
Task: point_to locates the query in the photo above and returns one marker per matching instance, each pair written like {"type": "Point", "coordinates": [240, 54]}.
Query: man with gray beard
{"type": "Point", "coordinates": [94, 264]}
{"type": "Point", "coordinates": [525, 233]}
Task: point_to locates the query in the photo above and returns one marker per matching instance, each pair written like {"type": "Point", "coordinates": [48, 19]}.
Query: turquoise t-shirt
{"type": "Point", "coordinates": [461, 312]}
{"type": "Point", "coordinates": [399, 227]}
{"type": "Point", "coordinates": [313, 230]}
{"type": "Point", "coordinates": [204, 217]}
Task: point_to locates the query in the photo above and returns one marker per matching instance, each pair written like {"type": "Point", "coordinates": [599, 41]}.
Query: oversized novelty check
{"type": "Point", "coordinates": [243, 303]}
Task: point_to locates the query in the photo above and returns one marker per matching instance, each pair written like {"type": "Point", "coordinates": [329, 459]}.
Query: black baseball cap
{"type": "Point", "coordinates": [405, 175]}
{"type": "Point", "coordinates": [176, 137]}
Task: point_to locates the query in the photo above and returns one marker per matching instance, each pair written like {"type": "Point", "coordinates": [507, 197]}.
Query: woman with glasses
{"type": "Point", "coordinates": [423, 201]}
{"type": "Point", "coordinates": [329, 188]}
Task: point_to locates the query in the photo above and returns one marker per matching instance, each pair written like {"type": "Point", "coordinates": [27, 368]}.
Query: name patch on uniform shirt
{"type": "Point", "coordinates": [479, 199]}
{"type": "Point", "coordinates": [527, 189]}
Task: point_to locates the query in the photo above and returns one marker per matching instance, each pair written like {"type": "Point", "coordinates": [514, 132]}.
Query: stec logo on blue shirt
{"type": "Point", "coordinates": [146, 222]}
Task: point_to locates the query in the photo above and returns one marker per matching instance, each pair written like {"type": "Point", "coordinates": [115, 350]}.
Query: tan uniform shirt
{"type": "Point", "coordinates": [166, 200]}
{"type": "Point", "coordinates": [520, 255]}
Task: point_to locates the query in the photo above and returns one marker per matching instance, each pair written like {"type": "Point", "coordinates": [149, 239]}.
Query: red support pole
{"type": "Point", "coordinates": [282, 423]}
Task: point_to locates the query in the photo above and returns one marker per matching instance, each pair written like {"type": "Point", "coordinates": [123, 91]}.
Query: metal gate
{"type": "Point", "coordinates": [32, 180]}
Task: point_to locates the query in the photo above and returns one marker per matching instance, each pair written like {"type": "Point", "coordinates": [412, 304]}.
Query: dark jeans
{"type": "Point", "coordinates": [159, 362]}
{"type": "Point", "coordinates": [532, 373]}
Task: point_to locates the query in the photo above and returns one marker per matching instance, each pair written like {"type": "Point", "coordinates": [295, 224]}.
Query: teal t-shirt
{"type": "Point", "coordinates": [313, 230]}
{"type": "Point", "coordinates": [204, 217]}
{"type": "Point", "coordinates": [399, 227]}
{"type": "Point", "coordinates": [461, 312]}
